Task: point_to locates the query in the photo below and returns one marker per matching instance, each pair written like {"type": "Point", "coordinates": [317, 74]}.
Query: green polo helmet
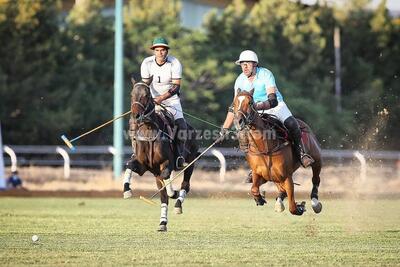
{"type": "Point", "coordinates": [159, 41]}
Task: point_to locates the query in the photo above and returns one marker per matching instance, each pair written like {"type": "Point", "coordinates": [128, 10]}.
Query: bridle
{"type": "Point", "coordinates": [148, 108]}
{"type": "Point", "coordinates": [248, 117]}
{"type": "Point", "coordinates": [145, 118]}
{"type": "Point", "coordinates": [245, 126]}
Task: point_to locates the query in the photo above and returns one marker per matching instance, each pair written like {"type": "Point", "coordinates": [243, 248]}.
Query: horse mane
{"type": "Point", "coordinates": [145, 85]}
{"type": "Point", "coordinates": [245, 93]}
{"type": "Point", "coordinates": [264, 121]}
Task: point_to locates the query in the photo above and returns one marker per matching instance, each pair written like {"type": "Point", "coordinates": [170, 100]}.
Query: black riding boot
{"type": "Point", "coordinates": [295, 133]}
{"type": "Point", "coordinates": [181, 137]}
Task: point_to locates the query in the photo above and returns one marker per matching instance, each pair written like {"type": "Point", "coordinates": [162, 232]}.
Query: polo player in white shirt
{"type": "Point", "coordinates": [163, 73]}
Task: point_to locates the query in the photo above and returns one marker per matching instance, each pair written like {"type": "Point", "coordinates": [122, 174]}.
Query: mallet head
{"type": "Point", "coordinates": [148, 201]}
{"type": "Point", "coordinates": [67, 142]}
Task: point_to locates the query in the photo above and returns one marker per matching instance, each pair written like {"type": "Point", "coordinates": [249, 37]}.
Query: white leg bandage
{"type": "Point", "coordinates": [182, 195]}
{"type": "Point", "coordinates": [170, 190]}
{"type": "Point", "coordinates": [164, 212]}
{"type": "Point", "coordinates": [127, 176]}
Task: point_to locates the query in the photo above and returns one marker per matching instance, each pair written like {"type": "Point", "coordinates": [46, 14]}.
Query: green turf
{"type": "Point", "coordinates": [219, 232]}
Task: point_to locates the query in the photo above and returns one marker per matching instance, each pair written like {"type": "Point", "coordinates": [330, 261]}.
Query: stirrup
{"type": "Point", "coordinates": [306, 160]}
{"type": "Point", "coordinates": [180, 162]}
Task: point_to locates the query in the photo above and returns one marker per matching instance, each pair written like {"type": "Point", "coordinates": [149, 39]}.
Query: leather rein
{"type": "Point", "coordinates": [249, 119]}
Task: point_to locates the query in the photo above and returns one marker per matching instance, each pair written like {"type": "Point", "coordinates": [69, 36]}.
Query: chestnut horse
{"type": "Point", "coordinates": [154, 149]}
{"type": "Point", "coordinates": [270, 156]}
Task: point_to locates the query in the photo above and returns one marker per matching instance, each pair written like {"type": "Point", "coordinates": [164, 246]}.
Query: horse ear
{"type": "Point", "coordinates": [133, 80]}
{"type": "Point", "coordinates": [252, 91]}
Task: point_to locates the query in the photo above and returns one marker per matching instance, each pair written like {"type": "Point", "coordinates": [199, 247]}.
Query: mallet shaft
{"type": "Point", "coordinates": [179, 173]}
{"type": "Point", "coordinates": [100, 126]}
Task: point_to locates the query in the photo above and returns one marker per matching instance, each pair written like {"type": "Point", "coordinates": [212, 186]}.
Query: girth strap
{"type": "Point", "coordinates": [272, 152]}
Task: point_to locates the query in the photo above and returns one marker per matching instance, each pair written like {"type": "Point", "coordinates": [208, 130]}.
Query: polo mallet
{"type": "Point", "coordinates": [69, 142]}
{"type": "Point", "coordinates": [150, 201]}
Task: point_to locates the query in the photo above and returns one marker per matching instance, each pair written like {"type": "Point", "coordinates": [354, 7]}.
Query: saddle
{"type": "Point", "coordinates": [167, 120]}
{"type": "Point", "coordinates": [282, 131]}
{"type": "Point", "coordinates": [276, 125]}
{"type": "Point", "coordinates": [277, 130]}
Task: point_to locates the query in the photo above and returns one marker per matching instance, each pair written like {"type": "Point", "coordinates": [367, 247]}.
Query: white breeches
{"type": "Point", "coordinates": [174, 107]}
{"type": "Point", "coordinates": [281, 111]}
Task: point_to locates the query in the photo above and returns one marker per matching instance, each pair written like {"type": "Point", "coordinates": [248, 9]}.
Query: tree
{"type": "Point", "coordinates": [27, 68]}
{"type": "Point", "coordinates": [144, 20]}
{"type": "Point", "coordinates": [86, 70]}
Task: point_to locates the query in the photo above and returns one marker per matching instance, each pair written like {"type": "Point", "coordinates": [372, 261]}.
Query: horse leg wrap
{"type": "Point", "coordinates": [182, 195]}
{"type": "Point", "coordinates": [127, 176]}
{"type": "Point", "coordinates": [282, 195]}
{"type": "Point", "coordinates": [170, 190]}
{"type": "Point", "coordinates": [164, 213]}
{"type": "Point", "coordinates": [127, 182]}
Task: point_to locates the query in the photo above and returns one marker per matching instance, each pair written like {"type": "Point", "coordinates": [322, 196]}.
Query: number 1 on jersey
{"type": "Point", "coordinates": [159, 79]}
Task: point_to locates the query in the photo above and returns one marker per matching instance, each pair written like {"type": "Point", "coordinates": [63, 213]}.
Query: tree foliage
{"type": "Point", "coordinates": [56, 70]}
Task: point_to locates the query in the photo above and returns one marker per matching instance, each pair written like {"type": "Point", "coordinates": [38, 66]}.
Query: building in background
{"type": "Point", "coordinates": [192, 11]}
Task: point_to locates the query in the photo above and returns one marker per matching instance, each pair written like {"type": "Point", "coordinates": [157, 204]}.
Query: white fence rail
{"type": "Point", "coordinates": [47, 156]}
{"type": "Point", "coordinates": [83, 155]}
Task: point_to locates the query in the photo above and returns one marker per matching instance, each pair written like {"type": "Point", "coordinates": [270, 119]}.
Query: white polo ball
{"type": "Point", "coordinates": [35, 238]}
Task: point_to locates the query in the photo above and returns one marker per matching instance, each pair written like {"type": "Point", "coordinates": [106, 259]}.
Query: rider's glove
{"type": "Point", "coordinates": [262, 105]}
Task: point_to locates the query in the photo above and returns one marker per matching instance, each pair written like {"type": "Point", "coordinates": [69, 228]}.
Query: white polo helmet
{"type": "Point", "coordinates": [247, 55]}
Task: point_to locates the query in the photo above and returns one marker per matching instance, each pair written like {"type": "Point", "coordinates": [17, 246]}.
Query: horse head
{"type": "Point", "coordinates": [243, 109]}
{"type": "Point", "coordinates": [142, 104]}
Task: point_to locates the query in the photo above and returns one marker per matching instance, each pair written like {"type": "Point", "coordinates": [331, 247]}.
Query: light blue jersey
{"type": "Point", "coordinates": [264, 79]}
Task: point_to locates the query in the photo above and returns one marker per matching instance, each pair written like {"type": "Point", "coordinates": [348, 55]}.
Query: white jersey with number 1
{"type": "Point", "coordinates": [162, 80]}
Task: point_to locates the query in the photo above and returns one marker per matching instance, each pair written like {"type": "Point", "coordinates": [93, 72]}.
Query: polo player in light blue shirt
{"type": "Point", "coordinates": [267, 99]}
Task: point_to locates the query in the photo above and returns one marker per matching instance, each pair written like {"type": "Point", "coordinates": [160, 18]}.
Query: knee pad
{"type": "Point", "coordinates": [293, 126]}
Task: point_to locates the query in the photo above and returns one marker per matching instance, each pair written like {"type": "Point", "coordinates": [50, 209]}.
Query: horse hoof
{"type": "Point", "coordinates": [260, 202]}
{"type": "Point", "coordinates": [162, 227]}
{"type": "Point", "coordinates": [279, 207]}
{"type": "Point", "coordinates": [178, 207]}
{"type": "Point", "coordinates": [316, 205]}
{"type": "Point", "coordinates": [300, 208]}
{"type": "Point", "coordinates": [178, 211]}
{"type": "Point", "coordinates": [128, 194]}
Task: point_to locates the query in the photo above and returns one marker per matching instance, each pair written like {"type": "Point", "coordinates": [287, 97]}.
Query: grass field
{"type": "Point", "coordinates": [219, 232]}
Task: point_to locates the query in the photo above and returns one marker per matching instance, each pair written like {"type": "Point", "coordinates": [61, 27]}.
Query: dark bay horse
{"type": "Point", "coordinates": [270, 154]}
{"type": "Point", "coordinates": [152, 134]}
